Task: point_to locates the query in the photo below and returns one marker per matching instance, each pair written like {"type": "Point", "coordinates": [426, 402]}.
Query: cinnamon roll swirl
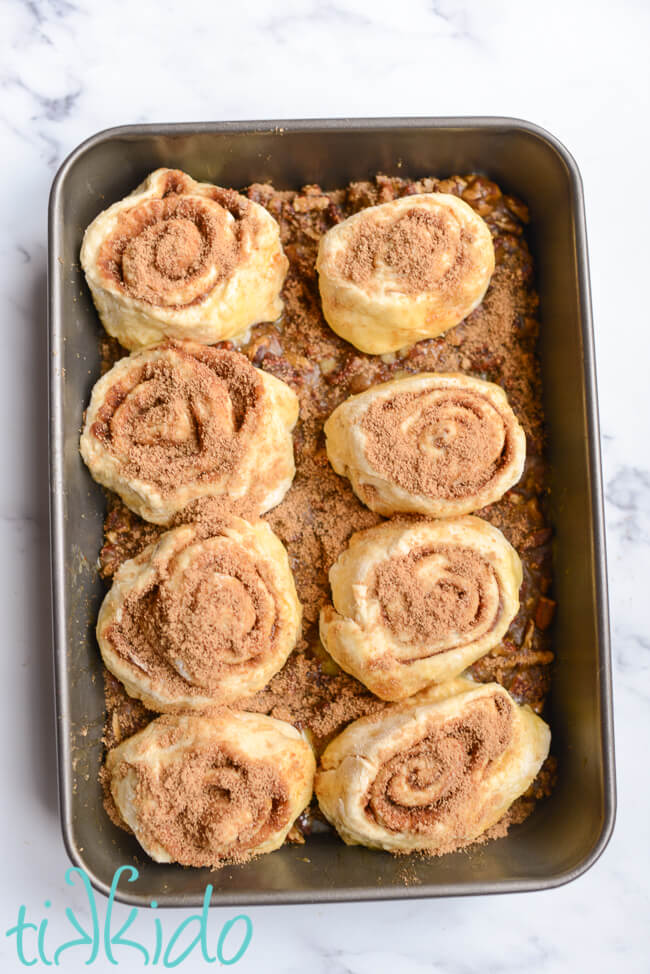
{"type": "Point", "coordinates": [432, 775]}
{"type": "Point", "coordinates": [208, 791]}
{"type": "Point", "coordinates": [204, 616]}
{"type": "Point", "coordinates": [435, 443]}
{"type": "Point", "coordinates": [410, 269]}
{"type": "Point", "coordinates": [180, 421]}
{"type": "Point", "coordinates": [183, 259]}
{"type": "Point", "coordinates": [417, 603]}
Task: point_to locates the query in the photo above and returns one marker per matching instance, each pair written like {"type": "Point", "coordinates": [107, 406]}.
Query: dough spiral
{"type": "Point", "coordinates": [433, 774]}
{"type": "Point", "coordinates": [180, 421]}
{"type": "Point", "coordinates": [207, 791]}
{"type": "Point", "coordinates": [417, 603]}
{"type": "Point", "coordinates": [440, 444]}
{"type": "Point", "coordinates": [409, 269]}
{"type": "Point", "coordinates": [206, 615]}
{"type": "Point", "coordinates": [183, 259]}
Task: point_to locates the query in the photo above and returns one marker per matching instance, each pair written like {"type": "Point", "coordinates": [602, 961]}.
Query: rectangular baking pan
{"type": "Point", "coordinates": [566, 834]}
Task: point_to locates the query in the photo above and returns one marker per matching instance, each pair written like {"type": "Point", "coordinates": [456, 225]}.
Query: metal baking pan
{"type": "Point", "coordinates": [566, 833]}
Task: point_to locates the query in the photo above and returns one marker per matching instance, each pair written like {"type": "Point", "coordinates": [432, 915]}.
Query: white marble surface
{"type": "Point", "coordinates": [580, 69]}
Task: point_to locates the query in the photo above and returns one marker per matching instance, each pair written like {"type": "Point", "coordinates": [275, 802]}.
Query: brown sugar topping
{"type": "Point", "coordinates": [441, 442]}
{"type": "Point", "coordinates": [315, 522]}
{"type": "Point", "coordinates": [182, 418]}
{"type": "Point", "coordinates": [438, 781]}
{"type": "Point", "coordinates": [314, 695]}
{"type": "Point", "coordinates": [416, 247]}
{"type": "Point", "coordinates": [436, 595]}
{"type": "Point", "coordinates": [210, 805]}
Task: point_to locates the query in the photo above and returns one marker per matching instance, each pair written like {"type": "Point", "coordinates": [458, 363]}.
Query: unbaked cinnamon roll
{"type": "Point", "coordinates": [410, 269]}
{"type": "Point", "coordinates": [183, 259]}
{"type": "Point", "coordinates": [434, 443]}
{"type": "Point", "coordinates": [180, 421]}
{"type": "Point", "coordinates": [204, 616]}
{"type": "Point", "coordinates": [208, 791]}
{"type": "Point", "coordinates": [417, 603]}
{"type": "Point", "coordinates": [433, 775]}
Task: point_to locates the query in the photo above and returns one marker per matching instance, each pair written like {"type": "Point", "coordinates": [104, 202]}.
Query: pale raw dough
{"type": "Point", "coordinates": [428, 779]}
{"type": "Point", "coordinates": [367, 295]}
{"type": "Point", "coordinates": [439, 412]}
{"type": "Point", "coordinates": [241, 825]}
{"type": "Point", "coordinates": [214, 301]}
{"type": "Point", "coordinates": [227, 582]}
{"type": "Point", "coordinates": [265, 467]}
{"type": "Point", "coordinates": [461, 568]}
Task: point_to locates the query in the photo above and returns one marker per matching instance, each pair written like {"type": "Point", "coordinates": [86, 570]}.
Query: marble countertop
{"type": "Point", "coordinates": [580, 69]}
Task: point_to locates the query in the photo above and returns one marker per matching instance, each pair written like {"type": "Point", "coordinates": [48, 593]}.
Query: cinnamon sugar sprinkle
{"type": "Point", "coordinates": [416, 247]}
{"type": "Point", "coordinates": [210, 805]}
{"type": "Point", "coordinates": [497, 342]}
{"type": "Point", "coordinates": [187, 628]}
{"type": "Point", "coordinates": [439, 778]}
{"type": "Point", "coordinates": [419, 611]}
{"type": "Point", "coordinates": [172, 250]}
{"type": "Point", "coordinates": [182, 418]}
{"type": "Point", "coordinates": [441, 443]}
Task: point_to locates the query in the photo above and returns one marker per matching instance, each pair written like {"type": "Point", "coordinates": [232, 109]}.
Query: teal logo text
{"type": "Point", "coordinates": [101, 938]}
